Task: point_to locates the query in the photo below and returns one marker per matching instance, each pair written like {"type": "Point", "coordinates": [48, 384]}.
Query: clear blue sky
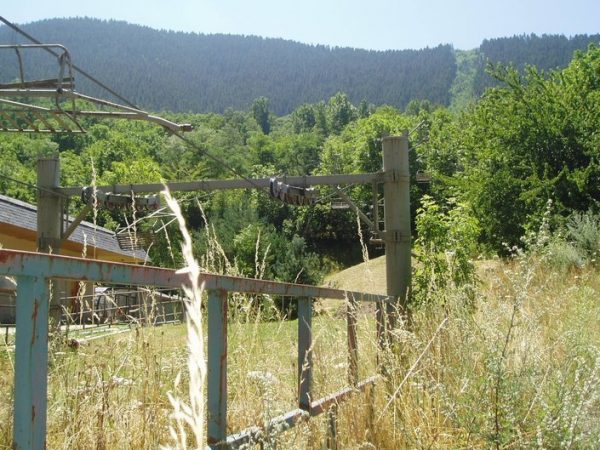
{"type": "Point", "coordinates": [371, 24]}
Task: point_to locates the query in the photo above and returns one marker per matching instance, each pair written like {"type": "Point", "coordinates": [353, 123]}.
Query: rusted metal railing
{"type": "Point", "coordinates": [33, 271]}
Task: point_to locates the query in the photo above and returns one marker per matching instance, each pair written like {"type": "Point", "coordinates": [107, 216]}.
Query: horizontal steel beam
{"type": "Point", "coordinates": [215, 185]}
{"type": "Point", "coordinates": [292, 418]}
{"type": "Point", "coordinates": [277, 425]}
{"type": "Point", "coordinates": [125, 112]}
{"type": "Point", "coordinates": [18, 263]}
{"type": "Point", "coordinates": [320, 406]}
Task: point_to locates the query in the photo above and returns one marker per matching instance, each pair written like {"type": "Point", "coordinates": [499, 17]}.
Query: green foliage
{"type": "Point", "coordinates": [578, 243]}
{"type": "Point", "coordinates": [533, 141]}
{"type": "Point", "coordinates": [304, 118]}
{"type": "Point", "coordinates": [584, 232]}
{"type": "Point", "coordinates": [18, 157]}
{"type": "Point", "coordinates": [546, 52]}
{"type": "Point", "coordinates": [260, 112]}
{"type": "Point", "coordinates": [504, 158]}
{"type": "Point", "coordinates": [358, 147]}
{"type": "Point", "coordinates": [340, 112]}
{"type": "Point", "coordinates": [445, 246]}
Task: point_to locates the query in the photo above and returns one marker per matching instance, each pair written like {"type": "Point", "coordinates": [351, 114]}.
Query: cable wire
{"type": "Point", "coordinates": [175, 133]}
{"type": "Point", "coordinates": [78, 69]}
{"type": "Point", "coordinates": [33, 186]}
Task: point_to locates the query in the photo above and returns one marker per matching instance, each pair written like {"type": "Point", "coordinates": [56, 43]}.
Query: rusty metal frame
{"type": "Point", "coordinates": [20, 117]}
{"type": "Point", "coordinates": [33, 272]}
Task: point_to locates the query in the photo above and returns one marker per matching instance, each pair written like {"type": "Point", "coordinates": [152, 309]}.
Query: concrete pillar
{"type": "Point", "coordinates": [397, 233]}
{"type": "Point", "coordinates": [49, 223]}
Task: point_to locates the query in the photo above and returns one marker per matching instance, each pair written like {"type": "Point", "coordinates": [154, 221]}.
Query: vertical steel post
{"type": "Point", "coordinates": [304, 352]}
{"type": "Point", "coordinates": [352, 341]}
{"type": "Point", "coordinates": [31, 364]}
{"type": "Point", "coordinates": [217, 368]}
{"type": "Point", "coordinates": [396, 189]}
{"type": "Point", "coordinates": [49, 223]}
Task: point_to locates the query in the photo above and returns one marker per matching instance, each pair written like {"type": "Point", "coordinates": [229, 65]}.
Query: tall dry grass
{"type": "Point", "coordinates": [519, 367]}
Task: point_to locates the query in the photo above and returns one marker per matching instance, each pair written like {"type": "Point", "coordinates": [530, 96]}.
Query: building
{"type": "Point", "coordinates": [18, 231]}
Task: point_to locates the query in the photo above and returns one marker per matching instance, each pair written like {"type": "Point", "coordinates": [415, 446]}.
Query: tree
{"type": "Point", "coordinates": [340, 111]}
{"type": "Point", "coordinates": [532, 141]}
{"type": "Point", "coordinates": [304, 118]}
{"type": "Point", "coordinates": [260, 111]}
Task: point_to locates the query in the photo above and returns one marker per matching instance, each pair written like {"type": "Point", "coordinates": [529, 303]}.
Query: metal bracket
{"type": "Point", "coordinates": [395, 236]}
{"type": "Point", "coordinates": [394, 176]}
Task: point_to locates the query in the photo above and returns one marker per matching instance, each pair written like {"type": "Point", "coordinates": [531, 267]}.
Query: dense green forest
{"type": "Point", "coordinates": [188, 72]}
{"type": "Point", "coordinates": [524, 157]}
{"type": "Point", "coordinates": [544, 52]}
{"type": "Point", "coordinates": [163, 70]}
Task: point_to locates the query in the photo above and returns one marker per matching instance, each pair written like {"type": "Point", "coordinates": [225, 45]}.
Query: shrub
{"type": "Point", "coordinates": [447, 240]}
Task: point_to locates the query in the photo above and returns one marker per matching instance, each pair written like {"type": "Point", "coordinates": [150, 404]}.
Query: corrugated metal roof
{"type": "Point", "coordinates": [24, 215]}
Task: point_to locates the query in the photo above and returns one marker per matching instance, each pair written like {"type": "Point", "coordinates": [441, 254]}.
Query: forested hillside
{"type": "Point", "coordinates": [544, 52]}
{"type": "Point", "coordinates": [187, 72]}
{"type": "Point", "coordinates": [163, 70]}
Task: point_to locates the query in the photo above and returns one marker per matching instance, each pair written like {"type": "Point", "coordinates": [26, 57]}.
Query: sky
{"type": "Point", "coordinates": [368, 24]}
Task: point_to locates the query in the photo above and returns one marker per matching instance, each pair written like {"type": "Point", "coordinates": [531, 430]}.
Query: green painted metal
{"type": "Point", "coordinates": [33, 272]}
{"type": "Point", "coordinates": [351, 310]}
{"type": "Point", "coordinates": [305, 364]}
{"type": "Point", "coordinates": [17, 263]}
{"type": "Point", "coordinates": [31, 364]}
{"type": "Point", "coordinates": [217, 369]}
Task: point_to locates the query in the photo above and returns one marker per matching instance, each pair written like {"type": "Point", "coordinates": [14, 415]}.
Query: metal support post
{"type": "Point", "coordinates": [31, 364]}
{"type": "Point", "coordinates": [217, 368]}
{"type": "Point", "coordinates": [352, 342]}
{"type": "Point", "coordinates": [304, 352]}
{"type": "Point", "coordinates": [397, 234]}
{"type": "Point", "coordinates": [49, 223]}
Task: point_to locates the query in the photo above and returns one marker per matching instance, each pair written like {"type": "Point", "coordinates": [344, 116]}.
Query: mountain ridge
{"type": "Point", "coordinates": [196, 72]}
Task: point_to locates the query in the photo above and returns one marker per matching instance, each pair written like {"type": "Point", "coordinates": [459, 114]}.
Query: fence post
{"type": "Point", "coordinates": [217, 369]}
{"type": "Point", "coordinates": [352, 341]}
{"type": "Point", "coordinates": [396, 191]}
{"type": "Point", "coordinates": [304, 352]}
{"type": "Point", "coordinates": [31, 364]}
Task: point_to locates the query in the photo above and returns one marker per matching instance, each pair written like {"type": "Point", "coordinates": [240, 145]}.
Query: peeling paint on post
{"type": "Point", "coordinates": [217, 368]}
{"type": "Point", "coordinates": [31, 364]}
{"type": "Point", "coordinates": [352, 342]}
{"type": "Point", "coordinates": [304, 352]}
{"type": "Point", "coordinates": [33, 270]}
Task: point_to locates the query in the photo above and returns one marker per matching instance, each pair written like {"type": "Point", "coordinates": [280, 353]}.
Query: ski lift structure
{"type": "Point", "coordinates": [19, 113]}
{"type": "Point", "coordinates": [54, 106]}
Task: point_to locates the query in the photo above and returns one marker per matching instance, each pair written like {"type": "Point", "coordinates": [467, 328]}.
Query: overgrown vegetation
{"type": "Point", "coordinates": [513, 363]}
{"type": "Point", "coordinates": [503, 350]}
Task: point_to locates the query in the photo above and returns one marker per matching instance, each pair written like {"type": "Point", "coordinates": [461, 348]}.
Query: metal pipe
{"type": "Point", "coordinates": [304, 353]}
{"type": "Point", "coordinates": [217, 368]}
{"type": "Point", "coordinates": [214, 185]}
